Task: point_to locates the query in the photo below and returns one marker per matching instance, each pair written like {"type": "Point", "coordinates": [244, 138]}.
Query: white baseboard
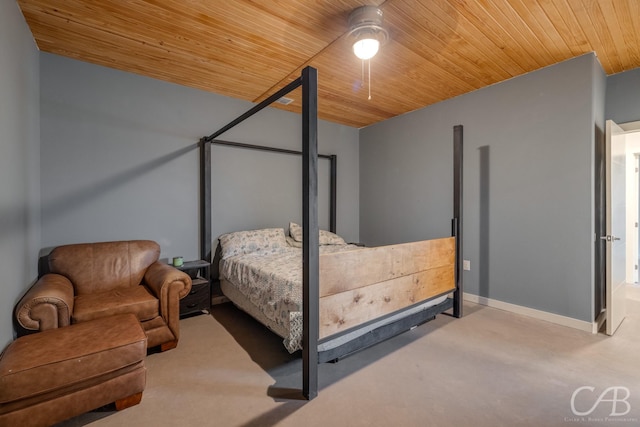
{"type": "Point", "coordinates": [591, 327]}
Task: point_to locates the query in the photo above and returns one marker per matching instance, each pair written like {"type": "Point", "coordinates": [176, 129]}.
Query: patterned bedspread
{"type": "Point", "coordinates": [272, 283]}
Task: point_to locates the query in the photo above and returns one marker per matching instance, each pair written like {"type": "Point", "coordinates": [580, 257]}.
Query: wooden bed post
{"type": "Point", "coordinates": [205, 200]}
{"type": "Point", "coordinates": [310, 234]}
{"type": "Point", "coordinates": [457, 218]}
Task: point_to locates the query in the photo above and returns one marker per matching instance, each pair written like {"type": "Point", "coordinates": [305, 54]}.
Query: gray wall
{"type": "Point", "coordinates": [623, 96]}
{"type": "Point", "coordinates": [19, 169]}
{"type": "Point", "coordinates": [528, 185]}
{"type": "Point", "coordinates": [120, 161]}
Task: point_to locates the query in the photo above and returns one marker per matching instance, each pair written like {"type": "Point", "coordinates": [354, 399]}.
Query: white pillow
{"type": "Point", "coordinates": [325, 237]}
{"type": "Point", "coordinates": [264, 241]}
{"type": "Point", "coordinates": [293, 242]}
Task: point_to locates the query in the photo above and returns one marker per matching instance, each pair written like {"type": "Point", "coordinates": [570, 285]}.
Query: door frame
{"type": "Point", "coordinates": [634, 210]}
{"type": "Point", "coordinates": [616, 244]}
{"type": "Point", "coordinates": [600, 230]}
{"type": "Point", "coordinates": [600, 221]}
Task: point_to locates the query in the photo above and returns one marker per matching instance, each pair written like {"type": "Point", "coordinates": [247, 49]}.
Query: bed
{"type": "Point", "coordinates": [338, 298]}
{"type": "Point", "coordinates": [361, 289]}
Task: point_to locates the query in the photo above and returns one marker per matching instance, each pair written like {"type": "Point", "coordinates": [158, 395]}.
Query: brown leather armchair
{"type": "Point", "coordinates": [93, 280]}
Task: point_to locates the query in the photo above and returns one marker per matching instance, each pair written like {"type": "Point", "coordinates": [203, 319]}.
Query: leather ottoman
{"type": "Point", "coordinates": [57, 374]}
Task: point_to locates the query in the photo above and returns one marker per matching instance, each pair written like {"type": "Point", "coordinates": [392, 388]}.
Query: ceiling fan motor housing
{"type": "Point", "coordinates": [367, 19]}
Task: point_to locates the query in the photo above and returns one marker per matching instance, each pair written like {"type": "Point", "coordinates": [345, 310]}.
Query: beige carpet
{"type": "Point", "coordinates": [490, 368]}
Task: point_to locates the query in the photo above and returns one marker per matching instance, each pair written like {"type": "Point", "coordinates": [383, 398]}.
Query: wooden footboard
{"type": "Point", "coordinates": [361, 285]}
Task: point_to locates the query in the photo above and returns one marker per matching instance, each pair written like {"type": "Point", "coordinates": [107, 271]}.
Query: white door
{"type": "Point", "coordinates": [616, 226]}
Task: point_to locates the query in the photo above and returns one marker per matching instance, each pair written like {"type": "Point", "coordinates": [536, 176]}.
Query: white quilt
{"type": "Point", "coordinates": [272, 285]}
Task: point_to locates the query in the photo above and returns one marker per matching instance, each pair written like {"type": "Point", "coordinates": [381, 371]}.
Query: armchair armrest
{"type": "Point", "coordinates": [164, 279]}
{"type": "Point", "coordinates": [47, 305]}
{"type": "Point", "coordinates": [169, 285]}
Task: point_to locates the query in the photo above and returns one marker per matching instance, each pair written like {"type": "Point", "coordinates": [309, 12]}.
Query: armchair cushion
{"type": "Point", "coordinates": [136, 300]}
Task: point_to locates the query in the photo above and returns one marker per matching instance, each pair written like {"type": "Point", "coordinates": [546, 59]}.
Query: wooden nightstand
{"type": "Point", "coordinates": [199, 299]}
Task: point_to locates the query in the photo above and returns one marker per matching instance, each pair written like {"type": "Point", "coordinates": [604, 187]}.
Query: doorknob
{"type": "Point", "coordinates": [609, 238]}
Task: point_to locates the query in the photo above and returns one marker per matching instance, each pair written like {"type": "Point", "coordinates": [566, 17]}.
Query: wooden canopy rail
{"type": "Point", "coordinates": [337, 283]}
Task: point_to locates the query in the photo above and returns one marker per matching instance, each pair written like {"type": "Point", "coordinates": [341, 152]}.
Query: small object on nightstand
{"type": "Point", "coordinates": [199, 299]}
{"type": "Point", "coordinates": [178, 261]}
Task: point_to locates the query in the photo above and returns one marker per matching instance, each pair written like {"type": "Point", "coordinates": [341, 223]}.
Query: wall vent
{"type": "Point", "coordinates": [284, 101]}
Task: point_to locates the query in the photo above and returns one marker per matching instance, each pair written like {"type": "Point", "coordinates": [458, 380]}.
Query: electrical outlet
{"type": "Point", "coordinates": [466, 265]}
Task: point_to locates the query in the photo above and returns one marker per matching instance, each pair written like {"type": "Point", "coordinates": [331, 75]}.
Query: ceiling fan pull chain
{"type": "Point", "coordinates": [369, 61]}
{"type": "Point", "coordinates": [368, 80]}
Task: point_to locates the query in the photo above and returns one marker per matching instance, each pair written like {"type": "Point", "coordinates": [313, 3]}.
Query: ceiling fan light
{"type": "Point", "coordinates": [366, 48]}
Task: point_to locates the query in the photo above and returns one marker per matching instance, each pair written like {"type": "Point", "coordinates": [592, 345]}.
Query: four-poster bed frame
{"type": "Point", "coordinates": [445, 272]}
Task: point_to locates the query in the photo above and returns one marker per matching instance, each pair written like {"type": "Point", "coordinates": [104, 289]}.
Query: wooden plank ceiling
{"type": "Point", "coordinates": [248, 49]}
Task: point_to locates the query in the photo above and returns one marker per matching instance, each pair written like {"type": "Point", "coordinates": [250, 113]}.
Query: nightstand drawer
{"type": "Point", "coordinates": [198, 299]}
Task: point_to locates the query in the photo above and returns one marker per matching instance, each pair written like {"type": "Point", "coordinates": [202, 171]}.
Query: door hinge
{"type": "Point", "coordinates": [636, 266]}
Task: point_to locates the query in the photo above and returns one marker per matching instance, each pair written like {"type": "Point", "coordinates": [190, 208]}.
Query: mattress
{"type": "Point", "coordinates": [268, 286]}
